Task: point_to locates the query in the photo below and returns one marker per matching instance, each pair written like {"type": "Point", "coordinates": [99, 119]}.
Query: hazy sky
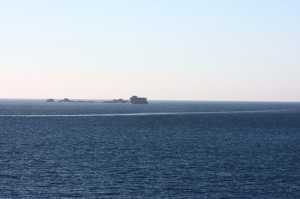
{"type": "Point", "coordinates": [160, 49]}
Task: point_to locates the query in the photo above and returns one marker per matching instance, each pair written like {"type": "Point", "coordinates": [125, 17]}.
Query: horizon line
{"type": "Point", "coordinates": [183, 100]}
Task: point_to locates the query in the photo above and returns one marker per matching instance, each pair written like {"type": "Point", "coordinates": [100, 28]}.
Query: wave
{"type": "Point", "coordinates": [149, 113]}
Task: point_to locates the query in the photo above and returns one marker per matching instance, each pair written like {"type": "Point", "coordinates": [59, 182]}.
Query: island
{"type": "Point", "coordinates": [50, 100]}
{"type": "Point", "coordinates": [133, 100]}
{"type": "Point", "coordinates": [117, 101]}
{"type": "Point", "coordinates": [138, 100]}
{"type": "Point", "coordinates": [78, 101]}
{"type": "Point", "coordinates": [65, 100]}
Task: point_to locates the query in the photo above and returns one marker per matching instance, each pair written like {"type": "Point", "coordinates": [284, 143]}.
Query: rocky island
{"type": "Point", "coordinates": [50, 100]}
{"type": "Point", "coordinates": [65, 100]}
{"type": "Point", "coordinates": [117, 101]}
{"type": "Point", "coordinates": [133, 100]}
{"type": "Point", "coordinates": [78, 101]}
{"type": "Point", "coordinates": [138, 100]}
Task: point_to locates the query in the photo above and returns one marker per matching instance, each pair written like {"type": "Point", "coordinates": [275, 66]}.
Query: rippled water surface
{"type": "Point", "coordinates": [160, 150]}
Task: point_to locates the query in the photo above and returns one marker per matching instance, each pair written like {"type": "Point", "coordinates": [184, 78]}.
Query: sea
{"type": "Point", "coordinates": [166, 149]}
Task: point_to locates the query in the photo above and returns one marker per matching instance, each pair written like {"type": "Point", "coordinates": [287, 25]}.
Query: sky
{"type": "Point", "coordinates": [160, 49]}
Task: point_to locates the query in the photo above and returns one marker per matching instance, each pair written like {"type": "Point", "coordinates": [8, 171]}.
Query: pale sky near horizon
{"type": "Point", "coordinates": [160, 49]}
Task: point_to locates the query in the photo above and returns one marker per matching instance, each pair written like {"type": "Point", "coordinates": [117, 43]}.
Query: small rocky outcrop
{"type": "Point", "coordinates": [65, 100]}
{"type": "Point", "coordinates": [50, 100]}
{"type": "Point", "coordinates": [138, 100]}
{"type": "Point", "coordinates": [117, 101]}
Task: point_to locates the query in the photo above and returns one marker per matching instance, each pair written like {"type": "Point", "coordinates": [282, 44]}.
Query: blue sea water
{"type": "Point", "coordinates": [161, 150]}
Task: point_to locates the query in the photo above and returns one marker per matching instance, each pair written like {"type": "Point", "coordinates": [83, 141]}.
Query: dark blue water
{"type": "Point", "coordinates": [160, 150]}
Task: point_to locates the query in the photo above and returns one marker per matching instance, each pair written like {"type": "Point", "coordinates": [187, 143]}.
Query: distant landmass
{"type": "Point", "coordinates": [117, 101]}
{"type": "Point", "coordinates": [66, 100]}
{"type": "Point", "coordinates": [138, 100]}
{"type": "Point", "coordinates": [133, 100]}
{"type": "Point", "coordinates": [50, 100]}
